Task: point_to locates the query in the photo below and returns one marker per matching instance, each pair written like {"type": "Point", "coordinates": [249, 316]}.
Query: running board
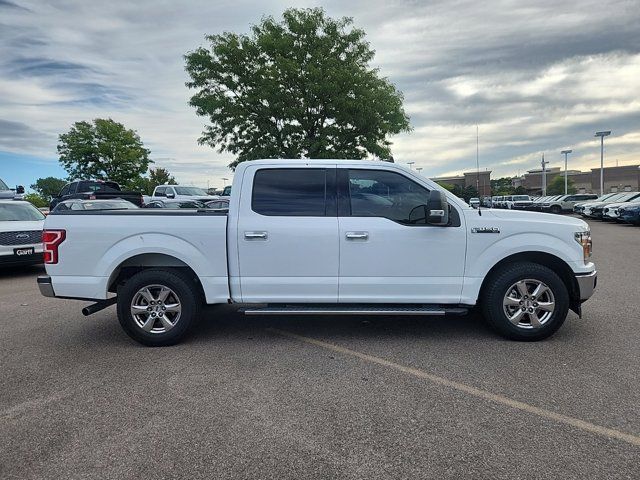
{"type": "Point", "coordinates": [356, 310]}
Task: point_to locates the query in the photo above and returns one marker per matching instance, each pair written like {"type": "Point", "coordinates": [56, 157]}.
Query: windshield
{"type": "Point", "coordinates": [190, 191]}
{"type": "Point", "coordinates": [3, 186]}
{"type": "Point", "coordinates": [521, 197]}
{"type": "Point", "coordinates": [226, 191]}
{"type": "Point", "coordinates": [16, 212]}
{"type": "Point", "coordinates": [627, 196]}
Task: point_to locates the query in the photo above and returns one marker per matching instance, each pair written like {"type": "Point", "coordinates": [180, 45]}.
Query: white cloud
{"type": "Point", "coordinates": [536, 76]}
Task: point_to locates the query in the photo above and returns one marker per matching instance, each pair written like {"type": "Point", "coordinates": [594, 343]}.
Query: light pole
{"type": "Point", "coordinates": [418, 169]}
{"type": "Point", "coordinates": [224, 181]}
{"type": "Point", "coordinates": [565, 153]}
{"type": "Point", "coordinates": [544, 176]}
{"type": "Point", "coordinates": [410, 163]}
{"type": "Point", "coordinates": [602, 135]}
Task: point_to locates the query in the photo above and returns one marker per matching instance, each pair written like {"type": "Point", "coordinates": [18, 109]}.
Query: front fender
{"type": "Point", "coordinates": [482, 258]}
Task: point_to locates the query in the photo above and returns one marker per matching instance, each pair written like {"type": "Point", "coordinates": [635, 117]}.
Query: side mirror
{"type": "Point", "coordinates": [171, 195]}
{"type": "Point", "coordinates": [438, 209]}
{"type": "Point", "coordinates": [20, 190]}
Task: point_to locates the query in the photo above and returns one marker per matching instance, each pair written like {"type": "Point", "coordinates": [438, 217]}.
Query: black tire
{"type": "Point", "coordinates": [556, 209]}
{"type": "Point", "coordinates": [500, 283]}
{"type": "Point", "coordinates": [184, 289]}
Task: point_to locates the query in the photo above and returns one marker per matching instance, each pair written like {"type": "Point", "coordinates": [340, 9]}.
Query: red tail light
{"type": "Point", "coordinates": [52, 240]}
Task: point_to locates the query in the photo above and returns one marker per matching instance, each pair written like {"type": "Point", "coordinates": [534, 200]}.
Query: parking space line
{"type": "Point", "coordinates": [476, 392]}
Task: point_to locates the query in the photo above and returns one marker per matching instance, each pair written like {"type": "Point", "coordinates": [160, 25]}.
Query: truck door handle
{"type": "Point", "coordinates": [357, 235]}
{"type": "Point", "coordinates": [255, 235]}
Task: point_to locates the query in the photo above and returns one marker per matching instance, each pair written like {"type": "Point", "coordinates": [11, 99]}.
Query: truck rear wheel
{"type": "Point", "coordinates": [556, 209]}
{"type": "Point", "coordinates": [157, 307]}
{"type": "Point", "coordinates": [525, 301]}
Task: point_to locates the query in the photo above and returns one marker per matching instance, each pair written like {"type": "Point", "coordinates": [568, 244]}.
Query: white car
{"type": "Point", "coordinates": [9, 193]}
{"type": "Point", "coordinates": [612, 210]}
{"type": "Point", "coordinates": [178, 192]}
{"type": "Point", "coordinates": [518, 202]}
{"type": "Point", "coordinates": [323, 237]}
{"type": "Point", "coordinates": [21, 227]}
{"type": "Point", "coordinates": [474, 202]}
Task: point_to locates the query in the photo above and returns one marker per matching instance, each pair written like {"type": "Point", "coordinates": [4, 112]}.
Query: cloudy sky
{"type": "Point", "coordinates": [536, 76]}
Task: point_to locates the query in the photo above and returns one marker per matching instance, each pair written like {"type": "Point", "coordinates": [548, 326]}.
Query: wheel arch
{"type": "Point", "coordinates": [145, 261]}
{"type": "Point", "coordinates": [553, 262]}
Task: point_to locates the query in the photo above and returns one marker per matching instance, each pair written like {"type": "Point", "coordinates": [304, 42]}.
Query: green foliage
{"type": "Point", "coordinates": [37, 200]}
{"type": "Point", "coordinates": [447, 186]}
{"type": "Point", "coordinates": [556, 186]}
{"type": "Point", "coordinates": [48, 187]}
{"type": "Point", "coordinates": [105, 150]}
{"type": "Point", "coordinates": [502, 186]}
{"type": "Point", "coordinates": [461, 192]}
{"type": "Point", "coordinates": [520, 190]}
{"type": "Point", "coordinates": [157, 176]}
{"type": "Point", "coordinates": [299, 87]}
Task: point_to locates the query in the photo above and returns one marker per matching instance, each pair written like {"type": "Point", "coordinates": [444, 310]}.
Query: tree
{"type": "Point", "coordinates": [48, 187]}
{"type": "Point", "coordinates": [520, 190]}
{"type": "Point", "coordinates": [502, 186]}
{"type": "Point", "coordinates": [299, 87]}
{"type": "Point", "coordinates": [556, 186]}
{"type": "Point", "coordinates": [104, 150]}
{"type": "Point", "coordinates": [157, 176]}
{"type": "Point", "coordinates": [36, 200]}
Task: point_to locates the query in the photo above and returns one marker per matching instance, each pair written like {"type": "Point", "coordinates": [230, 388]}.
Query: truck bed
{"type": "Point", "coordinates": [99, 243]}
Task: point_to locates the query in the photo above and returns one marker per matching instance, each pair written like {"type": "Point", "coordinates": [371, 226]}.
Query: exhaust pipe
{"type": "Point", "coordinates": [101, 305]}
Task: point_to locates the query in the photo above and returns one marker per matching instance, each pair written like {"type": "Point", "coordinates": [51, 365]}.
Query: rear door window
{"type": "Point", "coordinates": [300, 192]}
{"type": "Point", "coordinates": [160, 192]}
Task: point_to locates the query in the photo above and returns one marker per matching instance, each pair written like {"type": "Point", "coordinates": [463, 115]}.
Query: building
{"type": "Point", "coordinates": [616, 179]}
{"type": "Point", "coordinates": [470, 179]}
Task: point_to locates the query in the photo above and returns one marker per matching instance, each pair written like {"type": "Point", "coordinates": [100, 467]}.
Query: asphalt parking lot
{"type": "Point", "coordinates": [324, 397]}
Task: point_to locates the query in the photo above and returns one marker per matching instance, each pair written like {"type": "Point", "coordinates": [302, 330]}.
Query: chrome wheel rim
{"type": "Point", "coordinates": [156, 309]}
{"type": "Point", "coordinates": [529, 304]}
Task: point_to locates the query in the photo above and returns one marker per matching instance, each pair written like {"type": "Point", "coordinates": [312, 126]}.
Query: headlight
{"type": "Point", "coordinates": [584, 239]}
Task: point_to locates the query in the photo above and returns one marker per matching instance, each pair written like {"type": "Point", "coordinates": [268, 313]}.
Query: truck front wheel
{"type": "Point", "coordinates": [525, 301]}
{"type": "Point", "coordinates": [157, 307]}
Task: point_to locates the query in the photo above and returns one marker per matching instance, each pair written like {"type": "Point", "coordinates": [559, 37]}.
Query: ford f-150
{"type": "Point", "coordinates": [322, 237]}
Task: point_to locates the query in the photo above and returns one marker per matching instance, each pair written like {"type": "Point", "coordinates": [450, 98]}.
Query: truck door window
{"type": "Point", "coordinates": [160, 192]}
{"type": "Point", "coordinates": [379, 193]}
{"type": "Point", "coordinates": [300, 192]}
{"type": "Point", "coordinates": [65, 190]}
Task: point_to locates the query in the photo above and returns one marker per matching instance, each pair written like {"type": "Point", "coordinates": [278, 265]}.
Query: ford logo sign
{"type": "Point", "coordinates": [22, 235]}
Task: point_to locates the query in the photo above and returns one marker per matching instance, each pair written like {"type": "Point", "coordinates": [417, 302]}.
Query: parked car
{"type": "Point", "coordinates": [594, 209]}
{"type": "Point", "coordinates": [226, 191]}
{"type": "Point", "coordinates": [178, 192]}
{"type": "Point", "coordinates": [630, 213]}
{"type": "Point", "coordinates": [95, 190]}
{"type": "Point", "coordinates": [220, 204]}
{"type": "Point", "coordinates": [565, 203]}
{"type": "Point", "coordinates": [173, 204]}
{"type": "Point", "coordinates": [474, 202]}
{"type": "Point", "coordinates": [579, 207]}
{"type": "Point", "coordinates": [313, 237]}
{"type": "Point", "coordinates": [597, 211]}
{"type": "Point", "coordinates": [20, 233]}
{"type": "Point", "coordinates": [611, 211]}
{"type": "Point", "coordinates": [518, 202]}
{"type": "Point", "coordinates": [536, 204]}
{"type": "Point", "coordinates": [7, 193]}
{"type": "Point", "coordinates": [496, 201]}
{"type": "Point", "coordinates": [79, 204]}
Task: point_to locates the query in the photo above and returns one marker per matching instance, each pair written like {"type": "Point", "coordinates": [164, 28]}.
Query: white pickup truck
{"type": "Point", "coordinates": [322, 237]}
